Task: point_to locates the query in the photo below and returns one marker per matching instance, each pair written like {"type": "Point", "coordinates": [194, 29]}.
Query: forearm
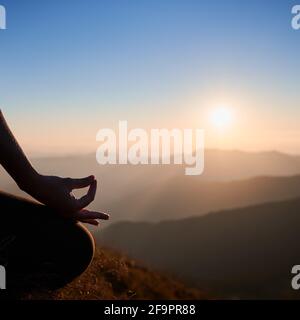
{"type": "Point", "coordinates": [12, 157]}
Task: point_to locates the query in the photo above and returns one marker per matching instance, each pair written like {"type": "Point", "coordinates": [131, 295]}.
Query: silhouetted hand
{"type": "Point", "coordinates": [56, 193]}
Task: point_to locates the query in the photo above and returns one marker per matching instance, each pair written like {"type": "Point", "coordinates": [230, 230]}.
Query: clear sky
{"type": "Point", "coordinates": [71, 67]}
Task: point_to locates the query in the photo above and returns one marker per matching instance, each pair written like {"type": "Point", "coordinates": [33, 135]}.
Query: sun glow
{"type": "Point", "coordinates": [222, 117]}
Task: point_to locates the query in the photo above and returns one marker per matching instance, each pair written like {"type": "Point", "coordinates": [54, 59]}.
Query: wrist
{"type": "Point", "coordinates": [29, 180]}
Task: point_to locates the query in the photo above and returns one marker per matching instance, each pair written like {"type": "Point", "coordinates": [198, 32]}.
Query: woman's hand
{"type": "Point", "coordinates": [56, 193]}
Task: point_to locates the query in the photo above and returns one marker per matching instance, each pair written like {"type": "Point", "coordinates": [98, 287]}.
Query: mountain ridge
{"type": "Point", "coordinates": [245, 253]}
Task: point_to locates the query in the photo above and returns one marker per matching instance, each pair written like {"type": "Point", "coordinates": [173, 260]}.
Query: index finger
{"type": "Point", "coordinates": [80, 183]}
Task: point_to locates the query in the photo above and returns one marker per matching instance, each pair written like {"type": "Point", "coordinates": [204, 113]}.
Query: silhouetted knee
{"type": "Point", "coordinates": [74, 254]}
{"type": "Point", "coordinates": [53, 259]}
{"type": "Point", "coordinates": [81, 252]}
{"type": "Point", "coordinates": [87, 251]}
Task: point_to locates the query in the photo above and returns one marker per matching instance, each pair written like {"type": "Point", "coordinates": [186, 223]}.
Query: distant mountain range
{"type": "Point", "coordinates": [153, 193]}
{"type": "Point", "coordinates": [243, 253]}
{"type": "Point", "coordinates": [181, 197]}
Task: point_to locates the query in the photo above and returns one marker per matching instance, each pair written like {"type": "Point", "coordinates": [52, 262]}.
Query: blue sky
{"type": "Point", "coordinates": [75, 65]}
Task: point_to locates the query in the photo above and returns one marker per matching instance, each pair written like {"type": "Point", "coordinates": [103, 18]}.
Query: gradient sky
{"type": "Point", "coordinates": [71, 67]}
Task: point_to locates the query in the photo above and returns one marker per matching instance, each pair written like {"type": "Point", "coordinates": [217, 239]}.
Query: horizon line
{"type": "Point", "coordinates": [34, 155]}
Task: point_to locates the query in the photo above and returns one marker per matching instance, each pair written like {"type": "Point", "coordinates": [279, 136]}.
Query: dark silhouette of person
{"type": "Point", "coordinates": [43, 244]}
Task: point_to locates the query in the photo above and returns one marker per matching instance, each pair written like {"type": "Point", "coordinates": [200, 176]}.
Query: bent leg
{"type": "Point", "coordinates": [36, 243]}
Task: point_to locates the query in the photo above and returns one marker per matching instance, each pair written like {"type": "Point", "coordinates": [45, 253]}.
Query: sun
{"type": "Point", "coordinates": [222, 117]}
